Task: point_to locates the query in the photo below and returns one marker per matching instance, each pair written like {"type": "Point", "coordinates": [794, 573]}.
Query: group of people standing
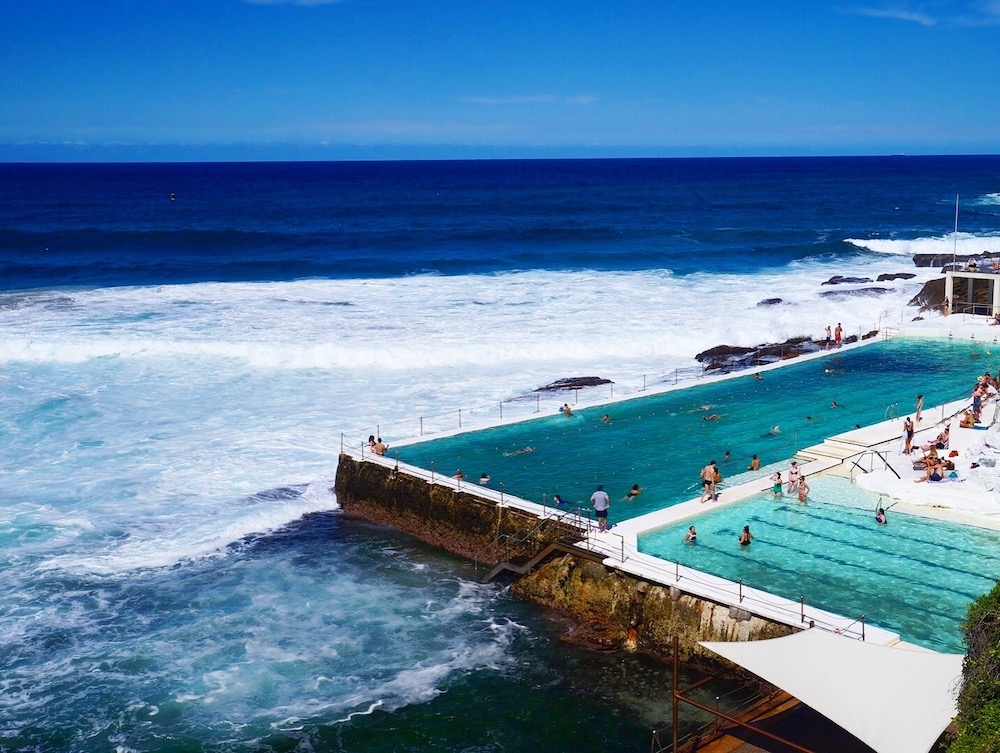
{"type": "Point", "coordinates": [797, 484]}
{"type": "Point", "coordinates": [836, 335]}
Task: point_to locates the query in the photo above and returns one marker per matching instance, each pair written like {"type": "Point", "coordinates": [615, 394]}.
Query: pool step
{"type": "Point", "coordinates": [830, 449]}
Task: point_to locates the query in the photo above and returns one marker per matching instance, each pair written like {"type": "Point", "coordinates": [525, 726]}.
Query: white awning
{"type": "Point", "coordinates": [893, 698]}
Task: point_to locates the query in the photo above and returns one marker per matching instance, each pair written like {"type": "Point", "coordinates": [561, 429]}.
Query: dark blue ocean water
{"type": "Point", "coordinates": [115, 224]}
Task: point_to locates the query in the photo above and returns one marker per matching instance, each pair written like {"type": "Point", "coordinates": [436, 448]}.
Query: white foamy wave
{"type": "Point", "coordinates": [962, 244]}
{"type": "Point", "coordinates": [988, 200]}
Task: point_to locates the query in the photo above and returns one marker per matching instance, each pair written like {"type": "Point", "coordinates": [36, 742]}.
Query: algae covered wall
{"type": "Point", "coordinates": [612, 608]}
{"type": "Point", "coordinates": [458, 522]}
{"type": "Point", "coordinates": [618, 610]}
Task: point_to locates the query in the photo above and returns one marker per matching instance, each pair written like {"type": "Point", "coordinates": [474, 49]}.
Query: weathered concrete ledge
{"type": "Point", "coordinates": [456, 521]}
{"type": "Point", "coordinates": [613, 609]}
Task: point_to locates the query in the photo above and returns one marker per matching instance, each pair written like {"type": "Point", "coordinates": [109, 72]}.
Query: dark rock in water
{"type": "Point", "coordinates": [870, 335]}
{"type": "Point", "coordinates": [841, 280]}
{"type": "Point", "coordinates": [931, 296]}
{"type": "Point", "coordinates": [860, 292]}
{"type": "Point", "coordinates": [770, 302]}
{"type": "Point", "coordinates": [895, 276]}
{"type": "Point", "coordinates": [850, 339]}
{"type": "Point", "coordinates": [726, 358]}
{"type": "Point", "coordinates": [572, 383]}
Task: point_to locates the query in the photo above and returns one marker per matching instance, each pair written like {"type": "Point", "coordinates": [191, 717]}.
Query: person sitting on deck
{"type": "Point", "coordinates": [380, 447]}
{"type": "Point", "coordinates": [933, 472]}
{"type": "Point", "coordinates": [968, 420]}
{"type": "Point", "coordinates": [940, 442]}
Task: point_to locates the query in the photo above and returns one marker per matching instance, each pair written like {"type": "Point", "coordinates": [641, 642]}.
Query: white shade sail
{"type": "Point", "coordinates": [896, 699]}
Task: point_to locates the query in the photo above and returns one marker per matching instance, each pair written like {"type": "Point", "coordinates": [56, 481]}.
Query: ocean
{"type": "Point", "coordinates": [184, 348]}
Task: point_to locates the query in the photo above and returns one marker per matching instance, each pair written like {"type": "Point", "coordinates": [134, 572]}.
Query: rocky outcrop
{"type": "Point", "coordinates": [841, 280]}
{"type": "Point", "coordinates": [931, 295]}
{"type": "Point", "coordinates": [726, 358]}
{"type": "Point", "coordinates": [895, 276]}
{"type": "Point", "coordinates": [573, 383]}
{"type": "Point", "coordinates": [769, 302]}
{"type": "Point", "coordinates": [615, 610]}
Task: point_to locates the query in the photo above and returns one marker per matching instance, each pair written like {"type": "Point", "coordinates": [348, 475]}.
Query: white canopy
{"type": "Point", "coordinates": [893, 698]}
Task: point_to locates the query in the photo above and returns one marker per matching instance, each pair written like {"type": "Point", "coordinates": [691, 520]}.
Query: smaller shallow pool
{"type": "Point", "coordinates": [914, 576]}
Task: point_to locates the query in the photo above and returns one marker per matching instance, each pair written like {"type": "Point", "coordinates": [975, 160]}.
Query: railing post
{"type": "Point", "coordinates": [501, 493]}
{"type": "Point", "coordinates": [677, 571]}
{"type": "Point", "coordinates": [459, 418]}
{"type": "Point", "coordinates": [421, 426]}
{"type": "Point", "coordinates": [741, 590]}
{"type": "Point", "coordinates": [643, 382]}
{"type": "Point", "coordinates": [341, 443]}
{"type": "Point", "coordinates": [862, 628]}
{"type": "Point", "coordinates": [802, 609]}
{"type": "Point", "coordinates": [432, 471]}
{"type": "Point", "coordinates": [576, 395]}
{"type": "Point", "coordinates": [538, 403]}
{"type": "Point", "coordinates": [501, 410]}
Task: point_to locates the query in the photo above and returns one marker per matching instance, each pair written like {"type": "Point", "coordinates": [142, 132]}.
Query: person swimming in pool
{"type": "Point", "coordinates": [634, 492]}
{"type": "Point", "coordinates": [880, 517]}
{"type": "Point", "coordinates": [746, 537]}
{"type": "Point", "coordinates": [691, 535]}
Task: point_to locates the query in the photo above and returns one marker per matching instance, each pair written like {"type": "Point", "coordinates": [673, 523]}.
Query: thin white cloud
{"type": "Point", "coordinates": [897, 14]}
{"type": "Point", "coordinates": [583, 99]}
{"type": "Point", "coordinates": [944, 13]}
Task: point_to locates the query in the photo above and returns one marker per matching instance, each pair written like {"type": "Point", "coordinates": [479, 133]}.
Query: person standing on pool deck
{"type": "Point", "coordinates": [920, 407]}
{"type": "Point", "coordinates": [601, 503]}
{"type": "Point", "coordinates": [838, 334]}
{"type": "Point", "coordinates": [908, 435]}
{"type": "Point", "coordinates": [829, 336]}
{"type": "Point", "coordinates": [708, 481]}
{"type": "Point", "coordinates": [746, 537]}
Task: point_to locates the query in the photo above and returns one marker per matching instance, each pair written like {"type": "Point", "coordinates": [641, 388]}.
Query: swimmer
{"type": "Point", "coordinates": [459, 475]}
{"type": "Point", "coordinates": [557, 499]}
{"type": "Point", "coordinates": [727, 457]}
{"type": "Point", "coordinates": [707, 406]}
{"type": "Point", "coordinates": [712, 417]}
{"type": "Point", "coordinates": [484, 479]}
{"type": "Point", "coordinates": [754, 464]}
{"type": "Point", "coordinates": [835, 405]}
{"type": "Point", "coordinates": [691, 535]}
{"type": "Point", "coordinates": [566, 410]}
{"type": "Point", "coordinates": [880, 517]}
{"type": "Point", "coordinates": [746, 537]}
{"type": "Point", "coordinates": [522, 451]}
{"type": "Point", "coordinates": [634, 492]}
{"type": "Point", "coordinates": [774, 432]}
{"type": "Point", "coordinates": [606, 418]}
{"type": "Point", "coordinates": [758, 376]}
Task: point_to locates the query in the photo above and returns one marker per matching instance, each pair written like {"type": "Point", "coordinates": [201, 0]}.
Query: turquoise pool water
{"type": "Point", "coordinates": [661, 442]}
{"type": "Point", "coordinates": [913, 576]}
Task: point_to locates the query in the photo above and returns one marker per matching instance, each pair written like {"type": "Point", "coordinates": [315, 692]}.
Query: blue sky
{"type": "Point", "coordinates": [378, 79]}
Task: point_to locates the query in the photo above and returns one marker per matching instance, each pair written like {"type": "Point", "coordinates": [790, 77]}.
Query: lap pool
{"type": "Point", "coordinates": [913, 576]}
{"type": "Point", "coordinates": [661, 442]}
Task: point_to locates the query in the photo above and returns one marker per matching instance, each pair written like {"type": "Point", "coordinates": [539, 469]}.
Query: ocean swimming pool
{"type": "Point", "coordinates": [662, 441]}
{"type": "Point", "coordinates": [913, 576]}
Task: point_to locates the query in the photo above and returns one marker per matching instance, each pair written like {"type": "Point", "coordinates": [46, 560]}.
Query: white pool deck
{"type": "Point", "coordinates": [851, 454]}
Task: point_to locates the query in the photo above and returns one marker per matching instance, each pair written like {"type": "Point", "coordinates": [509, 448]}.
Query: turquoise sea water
{"type": "Point", "coordinates": [661, 442]}
{"type": "Point", "coordinates": [914, 576]}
